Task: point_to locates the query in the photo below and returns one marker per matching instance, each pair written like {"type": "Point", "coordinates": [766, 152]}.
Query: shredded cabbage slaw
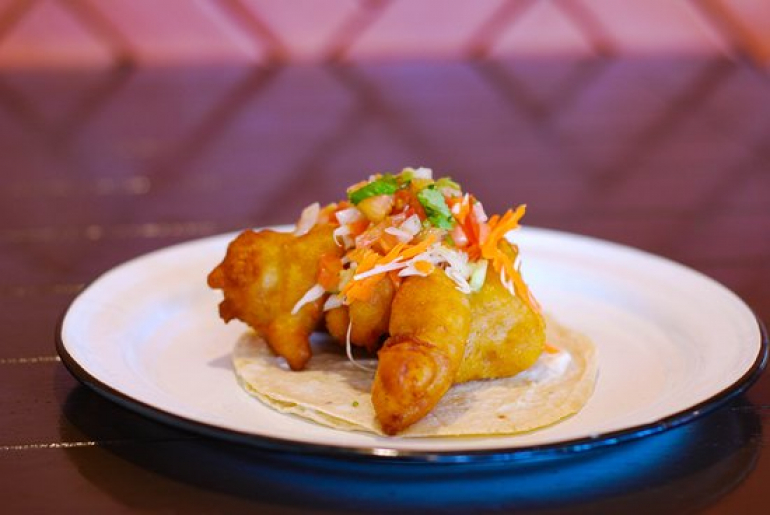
{"type": "Point", "coordinates": [396, 226]}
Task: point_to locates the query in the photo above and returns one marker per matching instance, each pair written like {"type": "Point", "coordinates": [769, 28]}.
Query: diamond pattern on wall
{"type": "Point", "coordinates": [657, 26]}
{"type": "Point", "coordinates": [302, 36]}
{"type": "Point", "coordinates": [544, 28]}
{"type": "Point", "coordinates": [744, 23]}
{"type": "Point", "coordinates": [41, 33]}
{"type": "Point", "coordinates": [182, 31]}
{"type": "Point", "coordinates": [99, 32]}
{"type": "Point", "coordinates": [423, 29]}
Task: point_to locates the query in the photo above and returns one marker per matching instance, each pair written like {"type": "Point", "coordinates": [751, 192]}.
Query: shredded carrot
{"type": "Point", "coordinates": [358, 254]}
{"type": "Point", "coordinates": [387, 242]}
{"type": "Point", "coordinates": [419, 248]}
{"type": "Point", "coordinates": [362, 289]}
{"type": "Point", "coordinates": [358, 227]}
{"type": "Point", "coordinates": [393, 254]}
{"type": "Point", "coordinates": [368, 262]}
{"type": "Point", "coordinates": [499, 226]}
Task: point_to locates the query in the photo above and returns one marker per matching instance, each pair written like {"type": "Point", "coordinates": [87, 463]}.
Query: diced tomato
{"type": "Point", "coordinates": [407, 202]}
{"type": "Point", "coordinates": [359, 226]}
{"type": "Point", "coordinates": [344, 204]}
{"type": "Point", "coordinates": [329, 269]}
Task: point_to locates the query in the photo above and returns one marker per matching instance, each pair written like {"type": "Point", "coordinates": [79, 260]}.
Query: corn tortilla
{"type": "Point", "coordinates": [334, 392]}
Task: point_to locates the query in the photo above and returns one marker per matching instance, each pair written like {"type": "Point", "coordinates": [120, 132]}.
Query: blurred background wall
{"type": "Point", "coordinates": [73, 33]}
{"type": "Point", "coordinates": [127, 125]}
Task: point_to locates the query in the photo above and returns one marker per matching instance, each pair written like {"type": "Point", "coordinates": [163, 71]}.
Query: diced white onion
{"type": "Point", "coordinates": [349, 215]}
{"type": "Point", "coordinates": [307, 219]}
{"type": "Point", "coordinates": [340, 233]}
{"type": "Point", "coordinates": [423, 173]}
{"type": "Point", "coordinates": [412, 225]}
{"type": "Point", "coordinates": [313, 294]}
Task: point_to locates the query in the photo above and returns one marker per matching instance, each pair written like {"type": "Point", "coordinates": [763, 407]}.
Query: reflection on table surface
{"type": "Point", "coordinates": [667, 155]}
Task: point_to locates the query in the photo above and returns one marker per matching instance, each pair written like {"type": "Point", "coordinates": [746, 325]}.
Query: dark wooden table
{"type": "Point", "coordinates": [671, 156]}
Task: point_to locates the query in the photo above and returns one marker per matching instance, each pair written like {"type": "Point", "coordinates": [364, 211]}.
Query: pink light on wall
{"type": "Point", "coordinates": [149, 32]}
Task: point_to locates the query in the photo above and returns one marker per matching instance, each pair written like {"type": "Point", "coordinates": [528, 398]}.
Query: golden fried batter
{"type": "Point", "coordinates": [430, 322]}
{"type": "Point", "coordinates": [506, 335]}
{"type": "Point", "coordinates": [442, 336]}
{"type": "Point", "coordinates": [370, 318]}
{"type": "Point", "coordinates": [263, 276]}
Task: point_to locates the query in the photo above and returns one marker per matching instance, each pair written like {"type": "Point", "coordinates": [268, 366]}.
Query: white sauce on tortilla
{"type": "Point", "coordinates": [548, 367]}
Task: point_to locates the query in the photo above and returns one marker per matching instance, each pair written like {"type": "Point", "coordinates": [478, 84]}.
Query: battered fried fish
{"type": "Point", "coordinates": [507, 335]}
{"type": "Point", "coordinates": [368, 319]}
{"type": "Point", "coordinates": [263, 275]}
{"type": "Point", "coordinates": [441, 336]}
{"type": "Point", "coordinates": [429, 326]}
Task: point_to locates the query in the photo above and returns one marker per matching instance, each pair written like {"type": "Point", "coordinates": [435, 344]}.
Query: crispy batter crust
{"type": "Point", "coordinates": [263, 275]}
{"type": "Point", "coordinates": [369, 318]}
{"type": "Point", "coordinates": [429, 324]}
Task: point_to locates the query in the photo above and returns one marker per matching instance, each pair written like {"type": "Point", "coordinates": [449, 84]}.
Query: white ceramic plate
{"type": "Point", "coordinates": [672, 344]}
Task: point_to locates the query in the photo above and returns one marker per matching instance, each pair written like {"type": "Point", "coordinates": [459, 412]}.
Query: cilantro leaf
{"type": "Point", "coordinates": [436, 208]}
{"type": "Point", "coordinates": [385, 185]}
